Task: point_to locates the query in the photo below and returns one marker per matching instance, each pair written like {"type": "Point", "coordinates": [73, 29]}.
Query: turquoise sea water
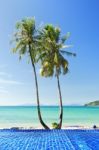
{"type": "Point", "coordinates": [26, 116]}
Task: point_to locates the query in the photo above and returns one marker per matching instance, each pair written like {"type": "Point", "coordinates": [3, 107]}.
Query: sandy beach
{"type": "Point", "coordinates": [40, 127]}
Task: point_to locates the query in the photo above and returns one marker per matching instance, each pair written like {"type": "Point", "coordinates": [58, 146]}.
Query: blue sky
{"type": "Point", "coordinates": [81, 84]}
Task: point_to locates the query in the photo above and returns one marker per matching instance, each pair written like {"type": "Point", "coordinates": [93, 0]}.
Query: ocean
{"type": "Point", "coordinates": [26, 116]}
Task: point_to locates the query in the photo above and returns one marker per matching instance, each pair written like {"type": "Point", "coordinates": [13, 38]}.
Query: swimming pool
{"type": "Point", "coordinates": [49, 139]}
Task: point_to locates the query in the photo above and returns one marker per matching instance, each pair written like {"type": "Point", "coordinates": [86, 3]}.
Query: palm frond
{"type": "Point", "coordinates": [23, 50]}
{"type": "Point", "coordinates": [68, 53]}
{"type": "Point", "coordinates": [64, 38]}
{"type": "Point", "coordinates": [26, 35]}
{"type": "Point", "coordinates": [67, 46]}
{"type": "Point", "coordinates": [65, 70]}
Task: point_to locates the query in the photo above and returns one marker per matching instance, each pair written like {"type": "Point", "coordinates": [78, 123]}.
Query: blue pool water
{"type": "Point", "coordinates": [49, 139]}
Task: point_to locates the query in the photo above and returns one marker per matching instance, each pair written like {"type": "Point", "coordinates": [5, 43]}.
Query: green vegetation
{"type": "Point", "coordinates": [26, 42]}
{"type": "Point", "coordinates": [55, 125]}
{"type": "Point", "coordinates": [45, 45]}
{"type": "Point", "coordinates": [53, 62]}
{"type": "Point", "coordinates": [94, 103]}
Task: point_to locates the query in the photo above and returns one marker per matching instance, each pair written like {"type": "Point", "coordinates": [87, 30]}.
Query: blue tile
{"type": "Point", "coordinates": [49, 139]}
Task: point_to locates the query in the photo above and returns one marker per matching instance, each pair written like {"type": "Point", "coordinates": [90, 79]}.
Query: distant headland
{"type": "Point", "coordinates": [94, 103]}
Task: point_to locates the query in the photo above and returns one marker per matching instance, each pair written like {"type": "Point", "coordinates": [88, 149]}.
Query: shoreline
{"type": "Point", "coordinates": [73, 127]}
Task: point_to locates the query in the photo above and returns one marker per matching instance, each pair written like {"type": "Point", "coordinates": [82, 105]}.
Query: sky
{"type": "Point", "coordinates": [81, 84]}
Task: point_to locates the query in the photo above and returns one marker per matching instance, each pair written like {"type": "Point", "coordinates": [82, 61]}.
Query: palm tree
{"type": "Point", "coordinates": [26, 43]}
{"type": "Point", "coordinates": [53, 61]}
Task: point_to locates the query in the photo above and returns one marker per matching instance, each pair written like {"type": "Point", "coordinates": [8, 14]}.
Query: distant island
{"type": "Point", "coordinates": [94, 103]}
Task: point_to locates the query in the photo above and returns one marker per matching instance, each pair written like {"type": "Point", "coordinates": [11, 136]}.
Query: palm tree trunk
{"type": "Point", "coordinates": [37, 93]}
{"type": "Point", "coordinates": [60, 101]}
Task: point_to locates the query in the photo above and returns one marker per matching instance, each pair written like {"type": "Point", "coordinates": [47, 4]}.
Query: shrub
{"type": "Point", "coordinates": [55, 125]}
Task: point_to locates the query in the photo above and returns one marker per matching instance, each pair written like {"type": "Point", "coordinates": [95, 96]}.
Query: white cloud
{"type": "Point", "coordinates": [5, 74]}
{"type": "Point", "coordinates": [7, 81]}
{"type": "Point", "coordinates": [3, 66]}
{"type": "Point", "coordinates": [2, 73]}
{"type": "Point", "coordinates": [3, 91]}
{"type": "Point", "coordinates": [1, 87]}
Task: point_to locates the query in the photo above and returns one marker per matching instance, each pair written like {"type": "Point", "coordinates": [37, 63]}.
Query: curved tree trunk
{"type": "Point", "coordinates": [37, 93]}
{"type": "Point", "coordinates": [61, 106]}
